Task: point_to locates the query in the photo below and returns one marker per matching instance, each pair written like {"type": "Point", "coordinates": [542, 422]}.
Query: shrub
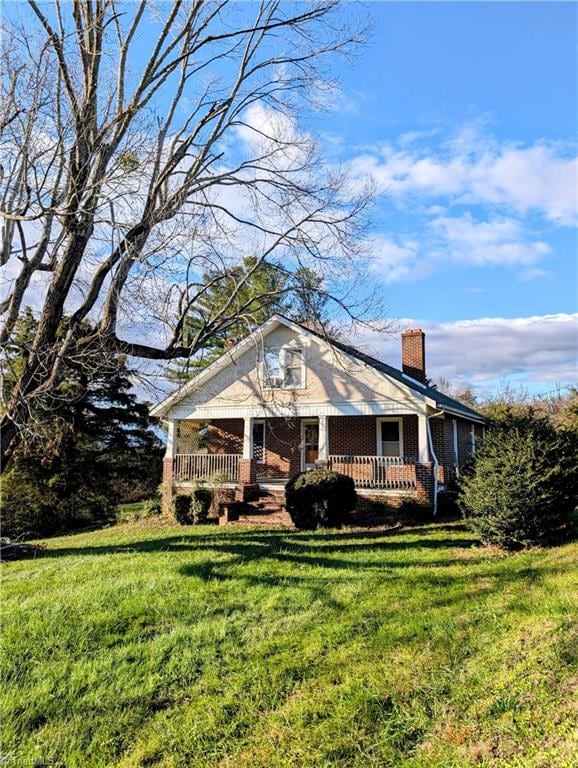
{"type": "Point", "coordinates": [182, 503]}
{"type": "Point", "coordinates": [415, 509]}
{"type": "Point", "coordinates": [152, 507]}
{"type": "Point", "coordinates": [201, 501]}
{"type": "Point", "coordinates": [44, 500]}
{"type": "Point", "coordinates": [193, 508]}
{"type": "Point", "coordinates": [520, 488]}
{"type": "Point", "coordinates": [319, 498]}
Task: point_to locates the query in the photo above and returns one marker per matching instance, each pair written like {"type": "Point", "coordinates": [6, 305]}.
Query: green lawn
{"type": "Point", "coordinates": [146, 645]}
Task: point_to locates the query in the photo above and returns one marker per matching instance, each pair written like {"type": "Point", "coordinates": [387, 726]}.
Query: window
{"type": "Point", "coordinates": [259, 441]}
{"type": "Point", "coordinates": [284, 368]}
{"type": "Point", "coordinates": [272, 368]}
{"type": "Point", "coordinates": [293, 368]}
{"type": "Point", "coordinates": [389, 437]}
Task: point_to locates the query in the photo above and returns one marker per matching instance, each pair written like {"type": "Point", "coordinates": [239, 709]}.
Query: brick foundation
{"type": "Point", "coordinates": [167, 485]}
{"type": "Point", "coordinates": [247, 488]}
{"type": "Point", "coordinates": [424, 479]}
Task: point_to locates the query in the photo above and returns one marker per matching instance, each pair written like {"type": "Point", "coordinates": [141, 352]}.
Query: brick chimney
{"type": "Point", "coordinates": [413, 354]}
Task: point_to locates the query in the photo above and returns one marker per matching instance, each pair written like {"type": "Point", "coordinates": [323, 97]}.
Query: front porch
{"type": "Point", "coordinates": [383, 454]}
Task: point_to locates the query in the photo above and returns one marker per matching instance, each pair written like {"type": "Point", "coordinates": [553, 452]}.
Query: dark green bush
{"type": "Point", "coordinates": [45, 499]}
{"type": "Point", "coordinates": [182, 508]}
{"type": "Point", "coordinates": [193, 508]}
{"type": "Point", "coordinates": [521, 486]}
{"type": "Point", "coordinates": [320, 498]}
{"type": "Point", "coordinates": [202, 498]}
{"type": "Point", "coordinates": [414, 509]}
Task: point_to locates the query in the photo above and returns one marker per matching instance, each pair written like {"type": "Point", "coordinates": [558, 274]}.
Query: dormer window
{"type": "Point", "coordinates": [284, 368]}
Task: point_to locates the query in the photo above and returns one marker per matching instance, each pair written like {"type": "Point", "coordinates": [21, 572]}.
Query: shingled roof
{"type": "Point", "coordinates": [443, 402]}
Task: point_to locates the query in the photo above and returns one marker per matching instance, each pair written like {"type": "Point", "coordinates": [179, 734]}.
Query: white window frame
{"type": "Point", "coordinates": [259, 421]}
{"type": "Point", "coordinates": [473, 437]}
{"type": "Point", "coordinates": [455, 444]}
{"type": "Point", "coordinates": [379, 421]}
{"type": "Point", "coordinates": [282, 367]}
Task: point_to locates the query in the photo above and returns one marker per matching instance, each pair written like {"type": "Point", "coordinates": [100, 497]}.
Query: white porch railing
{"type": "Point", "coordinates": [219, 467]}
{"type": "Point", "coordinates": [390, 472]}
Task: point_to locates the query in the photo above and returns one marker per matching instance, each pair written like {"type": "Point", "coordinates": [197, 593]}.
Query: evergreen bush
{"type": "Point", "coordinates": [182, 508]}
{"type": "Point", "coordinates": [521, 486]}
{"type": "Point", "coordinates": [320, 498]}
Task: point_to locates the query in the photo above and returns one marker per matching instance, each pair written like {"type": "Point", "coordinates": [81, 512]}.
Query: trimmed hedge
{"type": "Point", "coordinates": [320, 499]}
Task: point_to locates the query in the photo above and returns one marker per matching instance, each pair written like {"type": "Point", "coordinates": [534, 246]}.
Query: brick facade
{"type": "Point", "coordinates": [226, 436]}
{"type": "Point", "coordinates": [167, 484]}
{"type": "Point", "coordinates": [347, 435]}
{"type": "Point", "coordinates": [282, 448]}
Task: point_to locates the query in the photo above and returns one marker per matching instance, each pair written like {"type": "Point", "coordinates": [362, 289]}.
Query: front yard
{"type": "Point", "coordinates": [146, 645]}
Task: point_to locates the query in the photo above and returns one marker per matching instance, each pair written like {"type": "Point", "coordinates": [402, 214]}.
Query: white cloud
{"type": "Point", "coordinates": [497, 241]}
{"type": "Point", "coordinates": [537, 351]}
{"type": "Point", "coordinates": [458, 240]}
{"type": "Point", "coordinates": [475, 169]}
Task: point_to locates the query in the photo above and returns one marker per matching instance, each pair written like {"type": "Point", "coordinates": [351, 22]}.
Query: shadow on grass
{"type": "Point", "coordinates": [307, 547]}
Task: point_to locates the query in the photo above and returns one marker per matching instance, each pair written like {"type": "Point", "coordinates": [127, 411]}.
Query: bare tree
{"type": "Point", "coordinates": [147, 144]}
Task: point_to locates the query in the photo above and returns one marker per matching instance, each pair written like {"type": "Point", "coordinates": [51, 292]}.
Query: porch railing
{"type": "Point", "coordinates": [216, 467]}
{"type": "Point", "coordinates": [389, 472]}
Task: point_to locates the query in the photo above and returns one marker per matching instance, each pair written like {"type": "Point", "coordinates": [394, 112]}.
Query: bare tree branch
{"type": "Point", "coordinates": [125, 185]}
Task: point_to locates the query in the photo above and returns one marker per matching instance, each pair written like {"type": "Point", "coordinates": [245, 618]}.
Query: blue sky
{"type": "Point", "coordinates": [465, 114]}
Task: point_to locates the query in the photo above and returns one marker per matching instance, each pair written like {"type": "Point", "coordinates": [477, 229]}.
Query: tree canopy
{"type": "Point", "coordinates": [145, 146]}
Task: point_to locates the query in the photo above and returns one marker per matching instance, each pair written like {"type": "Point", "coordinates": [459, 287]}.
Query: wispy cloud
{"type": "Point", "coordinates": [536, 351]}
{"type": "Point", "coordinates": [457, 240]}
{"type": "Point", "coordinates": [473, 168]}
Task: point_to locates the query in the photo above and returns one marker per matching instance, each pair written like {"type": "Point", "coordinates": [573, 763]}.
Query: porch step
{"type": "Point", "coordinates": [280, 518]}
{"type": "Point", "coordinates": [267, 509]}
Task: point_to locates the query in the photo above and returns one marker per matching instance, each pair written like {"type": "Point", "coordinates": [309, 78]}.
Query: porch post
{"type": "Point", "coordinates": [422, 443]}
{"type": "Point", "coordinates": [247, 487]}
{"type": "Point", "coordinates": [168, 465]}
{"type": "Point", "coordinates": [323, 445]}
{"type": "Point", "coordinates": [248, 438]}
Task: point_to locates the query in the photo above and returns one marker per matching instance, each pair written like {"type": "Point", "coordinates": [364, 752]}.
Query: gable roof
{"type": "Point", "coordinates": [443, 402]}
{"type": "Point", "coordinates": [438, 399]}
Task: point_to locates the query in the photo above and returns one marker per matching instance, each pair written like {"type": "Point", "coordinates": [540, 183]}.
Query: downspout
{"type": "Point", "coordinates": [435, 460]}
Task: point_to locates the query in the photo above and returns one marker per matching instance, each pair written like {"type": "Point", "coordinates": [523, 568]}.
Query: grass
{"type": "Point", "coordinates": [146, 645]}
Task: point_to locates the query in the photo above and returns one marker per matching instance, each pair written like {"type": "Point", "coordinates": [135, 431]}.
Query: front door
{"type": "Point", "coordinates": [310, 444]}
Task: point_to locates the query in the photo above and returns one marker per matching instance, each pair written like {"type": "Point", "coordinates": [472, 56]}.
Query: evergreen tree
{"type": "Point", "coordinates": [91, 449]}
{"type": "Point", "coordinates": [264, 292]}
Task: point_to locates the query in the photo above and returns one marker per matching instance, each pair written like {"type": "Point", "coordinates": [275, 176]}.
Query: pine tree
{"type": "Point", "coordinates": [262, 294]}
{"type": "Point", "coordinates": [93, 448]}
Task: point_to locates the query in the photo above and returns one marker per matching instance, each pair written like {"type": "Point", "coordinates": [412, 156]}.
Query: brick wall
{"type": "Point", "coordinates": [352, 435]}
{"type": "Point", "coordinates": [282, 448]}
{"type": "Point", "coordinates": [442, 440]}
{"type": "Point", "coordinates": [464, 440]}
{"type": "Point", "coordinates": [357, 435]}
{"type": "Point", "coordinates": [226, 436]}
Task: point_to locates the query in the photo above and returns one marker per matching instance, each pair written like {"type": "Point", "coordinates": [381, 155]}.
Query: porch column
{"type": "Point", "coordinates": [168, 465]}
{"type": "Point", "coordinates": [422, 441]}
{"type": "Point", "coordinates": [323, 445]}
{"type": "Point", "coordinates": [248, 438]}
{"type": "Point", "coordinates": [171, 449]}
{"type": "Point", "coordinates": [247, 487]}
